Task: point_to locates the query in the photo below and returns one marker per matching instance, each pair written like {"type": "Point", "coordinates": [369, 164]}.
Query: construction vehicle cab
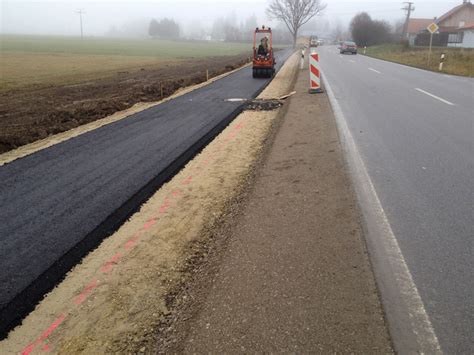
{"type": "Point", "coordinates": [263, 59]}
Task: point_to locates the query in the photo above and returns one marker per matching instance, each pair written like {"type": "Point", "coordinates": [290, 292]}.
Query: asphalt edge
{"type": "Point", "coordinates": [409, 324]}
{"type": "Point", "coordinates": [13, 313]}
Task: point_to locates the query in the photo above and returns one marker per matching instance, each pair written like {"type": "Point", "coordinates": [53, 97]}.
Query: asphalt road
{"type": "Point", "coordinates": [58, 203]}
{"type": "Point", "coordinates": [414, 131]}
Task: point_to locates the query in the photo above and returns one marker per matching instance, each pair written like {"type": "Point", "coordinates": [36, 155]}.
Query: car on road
{"type": "Point", "coordinates": [348, 47]}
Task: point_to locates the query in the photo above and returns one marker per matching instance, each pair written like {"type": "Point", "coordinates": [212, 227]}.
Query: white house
{"type": "Point", "coordinates": [467, 35]}
{"type": "Point", "coordinates": [415, 26]}
{"type": "Point", "coordinates": [454, 25]}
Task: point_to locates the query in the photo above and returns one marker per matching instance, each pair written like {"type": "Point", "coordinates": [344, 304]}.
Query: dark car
{"type": "Point", "coordinates": [348, 47]}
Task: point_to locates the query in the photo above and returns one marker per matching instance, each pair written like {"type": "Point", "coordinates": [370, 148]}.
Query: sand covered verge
{"type": "Point", "coordinates": [116, 298]}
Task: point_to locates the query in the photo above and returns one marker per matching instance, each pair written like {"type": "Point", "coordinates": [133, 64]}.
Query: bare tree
{"type": "Point", "coordinates": [294, 13]}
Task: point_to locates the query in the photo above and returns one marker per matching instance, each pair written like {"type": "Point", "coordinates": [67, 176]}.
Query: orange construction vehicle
{"type": "Point", "coordinates": [263, 59]}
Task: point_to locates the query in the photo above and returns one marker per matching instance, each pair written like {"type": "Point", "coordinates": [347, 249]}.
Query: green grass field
{"type": "Point", "coordinates": [115, 46]}
{"type": "Point", "coordinates": [48, 60]}
{"type": "Point", "coordinates": [458, 61]}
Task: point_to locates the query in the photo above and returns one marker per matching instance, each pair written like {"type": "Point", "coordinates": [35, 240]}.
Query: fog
{"type": "Point", "coordinates": [131, 18]}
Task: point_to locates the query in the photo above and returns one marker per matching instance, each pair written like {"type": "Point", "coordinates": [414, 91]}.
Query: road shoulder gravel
{"type": "Point", "coordinates": [292, 273]}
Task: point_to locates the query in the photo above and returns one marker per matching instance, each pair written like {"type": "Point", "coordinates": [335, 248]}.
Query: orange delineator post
{"type": "Point", "coordinates": [314, 74]}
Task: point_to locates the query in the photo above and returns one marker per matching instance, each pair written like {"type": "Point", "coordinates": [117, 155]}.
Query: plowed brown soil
{"type": "Point", "coordinates": [30, 114]}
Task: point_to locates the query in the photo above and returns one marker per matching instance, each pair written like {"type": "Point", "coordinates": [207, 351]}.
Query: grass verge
{"type": "Point", "coordinates": [459, 61]}
{"type": "Point", "coordinates": [157, 48]}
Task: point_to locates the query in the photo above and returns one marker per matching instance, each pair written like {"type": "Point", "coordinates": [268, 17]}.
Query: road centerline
{"type": "Point", "coordinates": [435, 97]}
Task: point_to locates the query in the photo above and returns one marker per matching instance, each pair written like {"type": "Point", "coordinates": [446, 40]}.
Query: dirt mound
{"type": "Point", "coordinates": [31, 114]}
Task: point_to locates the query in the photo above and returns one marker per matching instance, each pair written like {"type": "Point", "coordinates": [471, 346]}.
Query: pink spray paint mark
{"type": "Point", "coordinates": [110, 264]}
{"type": "Point", "coordinates": [46, 348]}
{"type": "Point", "coordinates": [149, 224]}
{"type": "Point", "coordinates": [85, 292]}
{"type": "Point", "coordinates": [53, 327]}
{"type": "Point", "coordinates": [28, 349]}
{"type": "Point", "coordinates": [176, 192]}
{"type": "Point", "coordinates": [188, 180]}
{"type": "Point", "coordinates": [45, 335]}
{"type": "Point", "coordinates": [132, 242]}
{"type": "Point", "coordinates": [165, 206]}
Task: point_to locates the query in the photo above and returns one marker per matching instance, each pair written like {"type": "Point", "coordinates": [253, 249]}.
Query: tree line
{"type": "Point", "coordinates": [227, 29]}
{"type": "Point", "coordinates": [292, 14]}
{"type": "Point", "coordinates": [368, 32]}
{"type": "Point", "coordinates": [166, 28]}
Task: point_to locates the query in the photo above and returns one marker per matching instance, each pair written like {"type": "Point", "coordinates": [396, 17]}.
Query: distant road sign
{"type": "Point", "coordinates": [433, 28]}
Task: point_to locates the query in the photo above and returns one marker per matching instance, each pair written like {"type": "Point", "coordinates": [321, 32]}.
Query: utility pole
{"type": "Point", "coordinates": [408, 8]}
{"type": "Point", "coordinates": [80, 12]}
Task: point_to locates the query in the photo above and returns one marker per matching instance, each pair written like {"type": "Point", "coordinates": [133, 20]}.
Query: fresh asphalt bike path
{"type": "Point", "coordinates": [419, 154]}
{"type": "Point", "coordinates": [60, 202]}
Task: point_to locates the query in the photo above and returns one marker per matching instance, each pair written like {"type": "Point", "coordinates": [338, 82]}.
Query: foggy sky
{"type": "Point", "coordinates": [59, 17]}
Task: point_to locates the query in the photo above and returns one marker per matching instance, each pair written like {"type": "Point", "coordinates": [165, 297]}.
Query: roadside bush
{"type": "Point", "coordinates": [458, 61]}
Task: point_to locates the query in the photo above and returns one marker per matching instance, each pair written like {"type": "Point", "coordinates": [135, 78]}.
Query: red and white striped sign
{"type": "Point", "coordinates": [314, 74]}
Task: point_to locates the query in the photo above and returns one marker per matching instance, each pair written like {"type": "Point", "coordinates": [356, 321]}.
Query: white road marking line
{"type": "Point", "coordinates": [376, 71]}
{"type": "Point", "coordinates": [435, 97]}
{"type": "Point", "coordinates": [388, 260]}
{"type": "Point", "coordinates": [352, 61]}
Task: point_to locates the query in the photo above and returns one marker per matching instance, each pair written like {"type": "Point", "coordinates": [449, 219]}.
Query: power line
{"type": "Point", "coordinates": [81, 12]}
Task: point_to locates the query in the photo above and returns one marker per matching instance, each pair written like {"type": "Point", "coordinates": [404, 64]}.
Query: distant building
{"type": "Point", "coordinates": [467, 35]}
{"type": "Point", "coordinates": [452, 27]}
{"type": "Point", "coordinates": [415, 26]}
{"type": "Point", "coordinates": [455, 19]}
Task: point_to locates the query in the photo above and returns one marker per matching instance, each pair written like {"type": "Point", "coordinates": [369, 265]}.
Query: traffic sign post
{"type": "Point", "coordinates": [432, 28]}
